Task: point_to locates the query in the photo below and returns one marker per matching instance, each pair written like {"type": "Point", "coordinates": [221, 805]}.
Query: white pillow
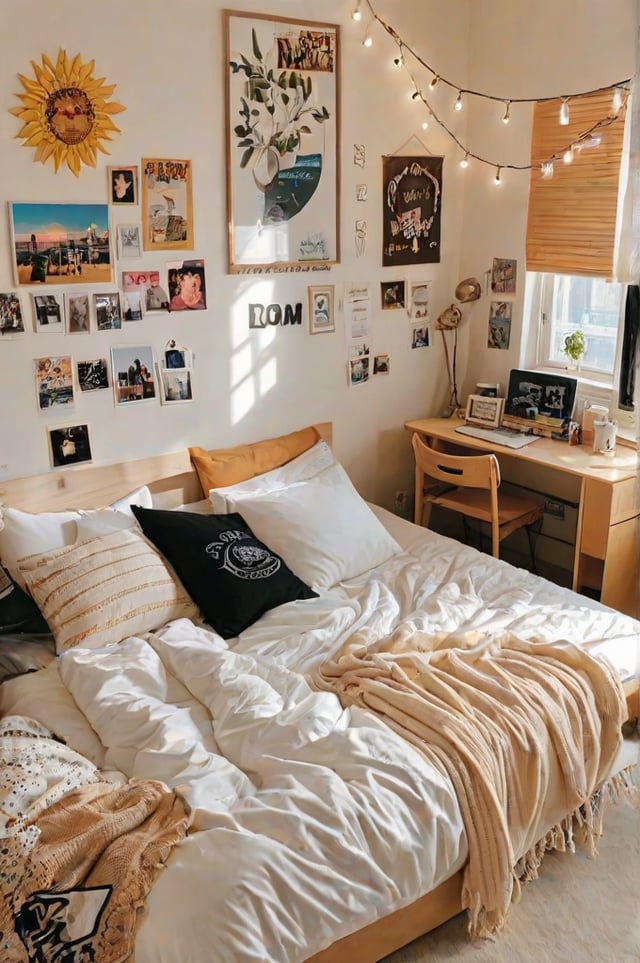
{"type": "Point", "coordinates": [322, 528]}
{"type": "Point", "coordinates": [101, 592]}
{"type": "Point", "coordinates": [306, 465]}
{"type": "Point", "coordinates": [26, 533]}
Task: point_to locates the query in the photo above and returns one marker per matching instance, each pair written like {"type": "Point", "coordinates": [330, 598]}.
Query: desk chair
{"type": "Point", "coordinates": [469, 484]}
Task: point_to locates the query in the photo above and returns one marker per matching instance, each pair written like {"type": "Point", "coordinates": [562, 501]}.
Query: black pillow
{"type": "Point", "coordinates": [18, 611]}
{"type": "Point", "coordinates": [230, 575]}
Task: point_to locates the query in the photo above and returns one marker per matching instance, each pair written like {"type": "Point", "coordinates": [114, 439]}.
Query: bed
{"type": "Point", "coordinates": [316, 823]}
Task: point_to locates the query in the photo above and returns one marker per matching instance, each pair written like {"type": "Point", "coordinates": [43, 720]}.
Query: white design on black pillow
{"type": "Point", "coordinates": [249, 561]}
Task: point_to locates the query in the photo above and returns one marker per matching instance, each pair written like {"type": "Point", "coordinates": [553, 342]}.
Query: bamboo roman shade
{"type": "Point", "coordinates": [572, 215]}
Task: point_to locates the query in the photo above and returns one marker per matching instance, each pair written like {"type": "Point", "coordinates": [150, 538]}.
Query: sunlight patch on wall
{"type": "Point", "coordinates": [252, 374]}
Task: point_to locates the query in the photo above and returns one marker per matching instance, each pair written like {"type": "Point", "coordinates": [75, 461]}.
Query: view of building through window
{"type": "Point", "coordinates": [591, 305]}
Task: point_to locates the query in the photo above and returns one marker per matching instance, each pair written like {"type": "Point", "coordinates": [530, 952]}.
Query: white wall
{"type": "Point", "coordinates": [166, 60]}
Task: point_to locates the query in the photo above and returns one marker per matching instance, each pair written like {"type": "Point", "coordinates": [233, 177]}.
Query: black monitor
{"type": "Point", "coordinates": [537, 399]}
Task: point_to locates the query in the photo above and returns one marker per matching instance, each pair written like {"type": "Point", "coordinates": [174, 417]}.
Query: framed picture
{"type": "Point", "coordinates": [321, 309]}
{"type": "Point", "coordinates": [282, 132]}
{"type": "Point", "coordinates": [167, 206]}
{"type": "Point", "coordinates": [108, 311]}
{"type": "Point", "coordinates": [48, 313]}
{"type": "Point", "coordinates": [93, 375]}
{"type": "Point", "coordinates": [61, 243]}
{"type": "Point", "coordinates": [54, 382]}
{"type": "Point", "coordinates": [78, 315]}
{"type": "Point", "coordinates": [129, 241]}
{"type": "Point", "coordinates": [132, 369]}
{"type": "Point", "coordinates": [123, 185]}
{"type": "Point", "coordinates": [484, 411]}
{"type": "Point", "coordinates": [392, 295]}
{"type": "Point", "coordinates": [11, 320]}
{"type": "Point", "coordinates": [175, 385]}
{"type": "Point", "coordinates": [69, 445]}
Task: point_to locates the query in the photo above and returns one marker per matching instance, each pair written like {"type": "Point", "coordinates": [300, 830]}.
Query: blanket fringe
{"type": "Point", "coordinates": [587, 819]}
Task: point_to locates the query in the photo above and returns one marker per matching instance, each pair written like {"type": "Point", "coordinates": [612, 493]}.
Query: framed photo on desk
{"type": "Point", "coordinates": [484, 411]}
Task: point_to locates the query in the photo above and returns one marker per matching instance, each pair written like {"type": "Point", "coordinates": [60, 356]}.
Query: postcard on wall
{"type": "Point", "coordinates": [108, 311]}
{"type": "Point", "coordinates": [499, 324]}
{"type": "Point", "coordinates": [69, 445]}
{"type": "Point", "coordinates": [419, 297]}
{"type": "Point", "coordinates": [48, 313]}
{"type": "Point", "coordinates": [503, 276]}
{"type": "Point", "coordinates": [93, 375]}
{"type": "Point", "coordinates": [358, 369]}
{"type": "Point", "coordinates": [420, 337]}
{"type": "Point", "coordinates": [167, 206]}
{"type": "Point", "coordinates": [392, 295]}
{"type": "Point", "coordinates": [129, 241]}
{"type": "Point", "coordinates": [54, 382]}
{"type": "Point", "coordinates": [78, 313]}
{"type": "Point", "coordinates": [123, 185]}
{"type": "Point", "coordinates": [381, 364]}
{"type": "Point", "coordinates": [11, 320]}
{"type": "Point", "coordinates": [61, 243]}
{"type": "Point", "coordinates": [175, 385]}
{"type": "Point", "coordinates": [132, 370]}
{"type": "Point", "coordinates": [282, 134]}
{"type": "Point", "coordinates": [412, 209]}
{"type": "Point", "coordinates": [187, 285]}
{"type": "Point", "coordinates": [357, 312]}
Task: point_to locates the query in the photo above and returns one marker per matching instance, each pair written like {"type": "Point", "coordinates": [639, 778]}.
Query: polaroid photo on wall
{"type": "Point", "coordinates": [132, 368]}
{"type": "Point", "coordinates": [54, 382]}
{"type": "Point", "coordinates": [108, 311]}
{"type": "Point", "coordinates": [69, 445]}
{"type": "Point", "coordinates": [92, 375]}
{"type": "Point", "coordinates": [175, 385]}
{"type": "Point", "coordinates": [48, 313]}
{"type": "Point", "coordinates": [78, 312]}
{"type": "Point", "coordinates": [129, 241]}
{"type": "Point", "coordinates": [11, 320]}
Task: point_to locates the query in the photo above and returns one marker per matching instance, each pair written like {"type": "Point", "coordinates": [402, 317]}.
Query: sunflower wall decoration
{"type": "Point", "coordinates": [66, 112]}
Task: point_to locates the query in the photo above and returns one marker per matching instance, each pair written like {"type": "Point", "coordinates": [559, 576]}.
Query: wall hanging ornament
{"type": "Point", "coordinates": [66, 112]}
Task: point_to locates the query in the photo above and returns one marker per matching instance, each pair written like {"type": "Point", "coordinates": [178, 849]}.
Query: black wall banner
{"type": "Point", "coordinates": [412, 207]}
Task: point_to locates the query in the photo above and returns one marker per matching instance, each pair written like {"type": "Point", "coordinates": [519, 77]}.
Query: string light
{"type": "Point", "coordinates": [620, 91]}
{"type": "Point", "coordinates": [465, 161]}
{"type": "Point", "coordinates": [425, 124]}
{"type": "Point", "coordinates": [368, 40]}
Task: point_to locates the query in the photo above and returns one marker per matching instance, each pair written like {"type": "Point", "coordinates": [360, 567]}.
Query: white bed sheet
{"type": "Point", "coordinates": [310, 821]}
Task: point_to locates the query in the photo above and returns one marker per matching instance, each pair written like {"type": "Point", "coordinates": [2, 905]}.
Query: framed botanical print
{"type": "Point", "coordinates": [321, 308]}
{"type": "Point", "coordinates": [167, 205]}
{"type": "Point", "coordinates": [282, 128]}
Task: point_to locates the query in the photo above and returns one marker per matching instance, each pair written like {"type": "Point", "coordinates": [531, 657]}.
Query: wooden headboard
{"type": "Point", "coordinates": [171, 479]}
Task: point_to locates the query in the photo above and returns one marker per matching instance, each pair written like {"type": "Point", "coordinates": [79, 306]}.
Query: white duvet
{"type": "Point", "coordinates": [309, 821]}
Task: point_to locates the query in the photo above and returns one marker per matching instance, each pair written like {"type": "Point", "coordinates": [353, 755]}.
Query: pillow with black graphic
{"type": "Point", "coordinates": [230, 575]}
{"type": "Point", "coordinates": [18, 612]}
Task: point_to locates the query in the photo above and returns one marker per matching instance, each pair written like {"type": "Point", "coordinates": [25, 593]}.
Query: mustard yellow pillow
{"type": "Point", "coordinates": [220, 467]}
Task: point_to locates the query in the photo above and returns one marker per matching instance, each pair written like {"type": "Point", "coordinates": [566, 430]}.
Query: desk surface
{"type": "Point", "coordinates": [573, 459]}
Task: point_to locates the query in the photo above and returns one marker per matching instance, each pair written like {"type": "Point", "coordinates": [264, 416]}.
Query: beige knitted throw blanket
{"type": "Point", "coordinates": [75, 895]}
{"type": "Point", "coordinates": [527, 732]}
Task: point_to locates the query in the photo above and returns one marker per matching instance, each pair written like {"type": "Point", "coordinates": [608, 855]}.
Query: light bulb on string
{"type": "Point", "coordinates": [546, 169]}
{"type": "Point", "coordinates": [567, 157]}
{"type": "Point", "coordinates": [497, 179]}
{"type": "Point", "coordinates": [616, 104]}
{"type": "Point", "coordinates": [465, 161]}
{"type": "Point", "coordinates": [368, 40]}
{"type": "Point", "coordinates": [507, 112]}
{"type": "Point", "coordinates": [356, 13]}
{"type": "Point", "coordinates": [425, 124]}
{"type": "Point", "coordinates": [564, 112]}
{"type": "Point", "coordinates": [458, 103]}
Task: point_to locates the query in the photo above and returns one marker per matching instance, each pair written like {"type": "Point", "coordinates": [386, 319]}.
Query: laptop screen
{"type": "Point", "coordinates": [545, 399]}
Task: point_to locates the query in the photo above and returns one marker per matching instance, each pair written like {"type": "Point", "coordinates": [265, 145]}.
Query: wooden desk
{"type": "Point", "coordinates": [606, 551]}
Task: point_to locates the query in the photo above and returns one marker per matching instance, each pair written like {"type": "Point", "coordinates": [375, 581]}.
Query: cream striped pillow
{"type": "Point", "coordinates": [105, 590]}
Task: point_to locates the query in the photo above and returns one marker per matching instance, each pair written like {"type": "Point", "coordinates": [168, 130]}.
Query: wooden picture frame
{"type": "Point", "coordinates": [283, 141]}
{"type": "Point", "coordinates": [322, 316]}
{"type": "Point", "coordinates": [484, 411]}
{"type": "Point", "coordinates": [123, 185]}
{"type": "Point", "coordinates": [167, 204]}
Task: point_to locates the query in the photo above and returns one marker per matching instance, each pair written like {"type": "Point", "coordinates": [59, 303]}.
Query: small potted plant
{"type": "Point", "coordinates": [575, 345]}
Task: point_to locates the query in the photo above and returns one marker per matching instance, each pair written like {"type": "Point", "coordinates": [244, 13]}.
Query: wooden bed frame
{"type": "Point", "coordinates": [173, 481]}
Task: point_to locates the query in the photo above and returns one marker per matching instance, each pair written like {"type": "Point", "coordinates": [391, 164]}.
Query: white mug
{"type": "Point", "coordinates": [604, 436]}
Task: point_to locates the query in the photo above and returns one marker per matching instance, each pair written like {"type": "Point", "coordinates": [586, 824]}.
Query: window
{"type": "Point", "coordinates": [566, 303]}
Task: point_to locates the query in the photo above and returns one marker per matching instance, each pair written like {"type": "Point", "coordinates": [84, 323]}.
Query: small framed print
{"type": "Point", "coordinates": [123, 185]}
{"type": "Point", "coordinates": [321, 308]}
{"type": "Point", "coordinates": [129, 241]}
{"type": "Point", "coordinates": [175, 385]}
{"type": "Point", "coordinates": [69, 446]}
{"type": "Point", "coordinates": [392, 295]}
{"type": "Point", "coordinates": [484, 411]}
